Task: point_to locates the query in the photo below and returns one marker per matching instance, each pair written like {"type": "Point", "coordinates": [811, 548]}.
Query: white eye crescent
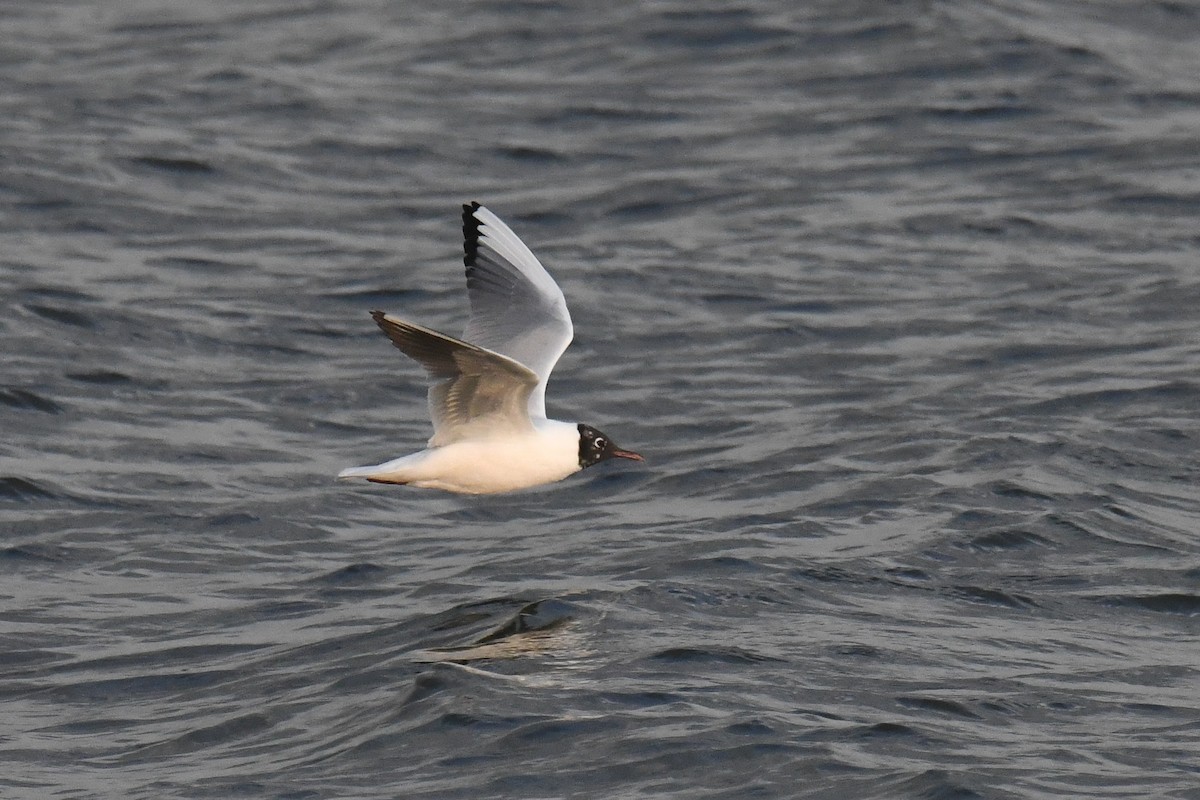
{"type": "Point", "coordinates": [599, 443]}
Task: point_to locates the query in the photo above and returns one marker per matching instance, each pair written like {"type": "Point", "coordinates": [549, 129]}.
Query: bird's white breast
{"type": "Point", "coordinates": [502, 464]}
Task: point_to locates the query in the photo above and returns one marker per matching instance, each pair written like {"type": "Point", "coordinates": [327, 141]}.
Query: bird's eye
{"type": "Point", "coordinates": [599, 443]}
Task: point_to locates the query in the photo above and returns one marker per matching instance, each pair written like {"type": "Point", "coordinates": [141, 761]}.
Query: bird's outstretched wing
{"type": "Point", "coordinates": [517, 309]}
{"type": "Point", "coordinates": [476, 393]}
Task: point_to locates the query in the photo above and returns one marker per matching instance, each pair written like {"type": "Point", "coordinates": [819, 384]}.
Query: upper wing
{"type": "Point", "coordinates": [517, 309]}
{"type": "Point", "coordinates": [477, 393]}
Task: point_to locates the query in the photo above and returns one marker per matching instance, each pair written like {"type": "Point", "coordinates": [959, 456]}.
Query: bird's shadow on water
{"type": "Point", "coordinates": [385, 672]}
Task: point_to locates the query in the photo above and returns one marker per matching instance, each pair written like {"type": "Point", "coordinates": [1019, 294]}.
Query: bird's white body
{"type": "Point", "coordinates": [485, 466]}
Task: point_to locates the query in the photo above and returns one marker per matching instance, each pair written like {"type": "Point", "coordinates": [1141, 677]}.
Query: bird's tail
{"type": "Point", "coordinates": [356, 472]}
{"type": "Point", "coordinates": [398, 470]}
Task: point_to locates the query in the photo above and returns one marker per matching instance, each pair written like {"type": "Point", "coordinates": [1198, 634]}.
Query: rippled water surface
{"type": "Point", "coordinates": [899, 300]}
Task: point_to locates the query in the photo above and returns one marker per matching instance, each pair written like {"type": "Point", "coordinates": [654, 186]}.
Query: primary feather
{"type": "Point", "coordinates": [517, 309]}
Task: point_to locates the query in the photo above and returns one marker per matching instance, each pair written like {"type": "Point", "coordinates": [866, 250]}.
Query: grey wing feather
{"type": "Point", "coordinates": [476, 392]}
{"type": "Point", "coordinates": [516, 307]}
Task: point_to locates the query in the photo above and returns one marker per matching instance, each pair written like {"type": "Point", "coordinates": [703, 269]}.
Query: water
{"type": "Point", "coordinates": [899, 300]}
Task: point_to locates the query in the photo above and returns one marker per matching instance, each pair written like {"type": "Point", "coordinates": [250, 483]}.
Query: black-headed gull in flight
{"type": "Point", "coordinates": [488, 400]}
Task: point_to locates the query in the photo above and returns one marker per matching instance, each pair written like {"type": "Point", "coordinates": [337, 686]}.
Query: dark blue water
{"type": "Point", "coordinates": [899, 300]}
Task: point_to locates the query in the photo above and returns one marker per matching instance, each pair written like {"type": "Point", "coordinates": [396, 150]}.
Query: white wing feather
{"type": "Point", "coordinates": [517, 309]}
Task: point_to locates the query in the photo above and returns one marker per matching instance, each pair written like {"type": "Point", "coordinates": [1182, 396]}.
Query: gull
{"type": "Point", "coordinates": [488, 397]}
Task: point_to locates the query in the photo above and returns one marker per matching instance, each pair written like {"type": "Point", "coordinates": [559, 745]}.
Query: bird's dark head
{"type": "Point", "coordinates": [595, 446]}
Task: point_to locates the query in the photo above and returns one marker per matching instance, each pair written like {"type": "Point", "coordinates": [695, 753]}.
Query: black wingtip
{"type": "Point", "coordinates": [470, 234]}
{"type": "Point", "coordinates": [378, 317]}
